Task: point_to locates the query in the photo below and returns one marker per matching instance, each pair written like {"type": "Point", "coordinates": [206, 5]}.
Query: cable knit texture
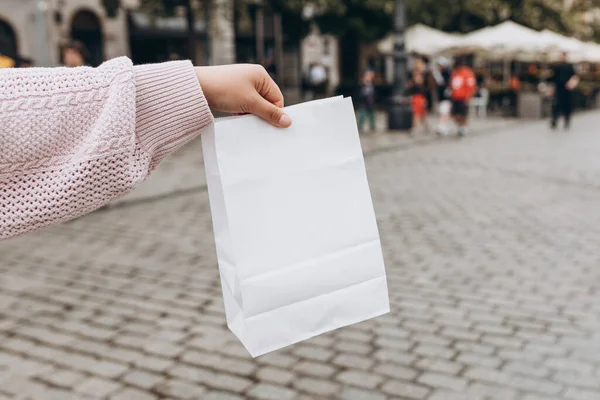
{"type": "Point", "coordinates": [71, 140]}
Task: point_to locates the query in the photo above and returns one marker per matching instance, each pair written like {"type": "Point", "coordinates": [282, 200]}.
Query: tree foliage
{"type": "Point", "coordinates": [467, 15]}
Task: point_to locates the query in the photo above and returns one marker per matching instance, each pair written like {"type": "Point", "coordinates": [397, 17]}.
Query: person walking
{"type": "Point", "coordinates": [367, 101]}
{"type": "Point", "coordinates": [515, 88]}
{"type": "Point", "coordinates": [417, 88]}
{"type": "Point", "coordinates": [463, 86]}
{"type": "Point", "coordinates": [73, 139]}
{"type": "Point", "coordinates": [317, 75]}
{"type": "Point", "coordinates": [565, 79]}
{"type": "Point", "coordinates": [442, 77]}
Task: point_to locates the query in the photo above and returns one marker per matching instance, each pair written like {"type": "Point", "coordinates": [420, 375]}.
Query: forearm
{"type": "Point", "coordinates": [71, 140]}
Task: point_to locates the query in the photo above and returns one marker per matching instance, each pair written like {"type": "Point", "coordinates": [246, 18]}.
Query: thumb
{"type": "Point", "coordinates": [270, 113]}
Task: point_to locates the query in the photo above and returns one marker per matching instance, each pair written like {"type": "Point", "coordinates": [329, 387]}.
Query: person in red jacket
{"type": "Point", "coordinates": [463, 85]}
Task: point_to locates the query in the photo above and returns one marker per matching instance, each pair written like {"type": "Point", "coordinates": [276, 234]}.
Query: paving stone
{"type": "Point", "coordinates": [396, 357]}
{"type": "Point", "coordinates": [163, 349]}
{"type": "Point", "coordinates": [132, 394]}
{"type": "Point", "coordinates": [97, 387]}
{"type": "Point", "coordinates": [569, 364]}
{"type": "Point", "coordinates": [475, 359]}
{"type": "Point", "coordinates": [154, 364]}
{"type": "Point", "coordinates": [220, 396]}
{"type": "Point", "coordinates": [358, 378]}
{"type": "Point", "coordinates": [277, 360]}
{"type": "Point", "coordinates": [478, 348]}
{"type": "Point", "coordinates": [572, 378]}
{"type": "Point", "coordinates": [275, 375]}
{"type": "Point", "coordinates": [581, 394]}
{"type": "Point", "coordinates": [180, 389]}
{"type": "Point", "coordinates": [18, 345]}
{"type": "Point", "coordinates": [350, 393]}
{"type": "Point", "coordinates": [486, 375]}
{"type": "Point", "coordinates": [449, 395]}
{"type": "Point", "coordinates": [314, 368]}
{"type": "Point", "coordinates": [319, 387]}
{"type": "Point", "coordinates": [460, 334]}
{"type": "Point", "coordinates": [491, 391]}
{"type": "Point", "coordinates": [210, 378]}
{"type": "Point", "coordinates": [358, 336]}
{"type": "Point", "coordinates": [539, 397]}
{"type": "Point", "coordinates": [108, 369]}
{"type": "Point", "coordinates": [405, 389]}
{"type": "Point", "coordinates": [142, 379]}
{"type": "Point", "coordinates": [267, 391]}
{"type": "Point", "coordinates": [435, 365]}
{"type": "Point", "coordinates": [526, 369]}
{"type": "Point", "coordinates": [348, 346]}
{"type": "Point", "coordinates": [535, 385]}
{"type": "Point", "coordinates": [351, 361]}
{"type": "Point", "coordinates": [442, 381]}
{"type": "Point", "coordinates": [326, 340]}
{"type": "Point", "coordinates": [63, 378]}
{"type": "Point", "coordinates": [395, 371]}
{"type": "Point", "coordinates": [435, 352]}
{"type": "Point", "coordinates": [313, 353]}
{"type": "Point", "coordinates": [232, 365]}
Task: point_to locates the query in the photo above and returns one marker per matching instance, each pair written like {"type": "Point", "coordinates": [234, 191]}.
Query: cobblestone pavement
{"type": "Point", "coordinates": [491, 246]}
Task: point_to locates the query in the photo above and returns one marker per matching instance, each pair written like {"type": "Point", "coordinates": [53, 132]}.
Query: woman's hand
{"type": "Point", "coordinates": [241, 89]}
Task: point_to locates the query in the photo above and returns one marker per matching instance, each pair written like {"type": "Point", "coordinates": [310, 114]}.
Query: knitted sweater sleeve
{"type": "Point", "coordinates": [71, 140]}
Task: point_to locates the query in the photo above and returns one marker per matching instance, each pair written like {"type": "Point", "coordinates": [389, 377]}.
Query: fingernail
{"type": "Point", "coordinates": [285, 121]}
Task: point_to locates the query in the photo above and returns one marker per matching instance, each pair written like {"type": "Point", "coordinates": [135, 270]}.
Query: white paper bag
{"type": "Point", "coordinates": [297, 241]}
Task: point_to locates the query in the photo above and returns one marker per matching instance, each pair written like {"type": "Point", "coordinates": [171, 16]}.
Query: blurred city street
{"type": "Point", "coordinates": [491, 247]}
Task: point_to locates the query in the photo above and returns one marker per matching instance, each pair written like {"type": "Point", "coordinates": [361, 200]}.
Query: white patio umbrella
{"type": "Point", "coordinates": [575, 48]}
{"type": "Point", "coordinates": [507, 39]}
{"type": "Point", "coordinates": [592, 52]}
{"type": "Point", "coordinates": [421, 39]}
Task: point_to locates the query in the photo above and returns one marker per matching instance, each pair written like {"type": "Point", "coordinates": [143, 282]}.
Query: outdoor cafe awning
{"type": "Point", "coordinates": [505, 40]}
{"type": "Point", "coordinates": [420, 39]}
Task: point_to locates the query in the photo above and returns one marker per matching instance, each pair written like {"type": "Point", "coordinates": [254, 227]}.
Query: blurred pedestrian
{"type": "Point", "coordinates": [174, 56]}
{"type": "Point", "coordinates": [367, 101]}
{"type": "Point", "coordinates": [99, 132]}
{"type": "Point", "coordinates": [317, 76]}
{"type": "Point", "coordinates": [417, 88]}
{"type": "Point", "coordinates": [515, 88]}
{"type": "Point", "coordinates": [565, 79]}
{"type": "Point", "coordinates": [463, 86]}
{"type": "Point", "coordinates": [74, 54]}
{"type": "Point", "coordinates": [442, 78]}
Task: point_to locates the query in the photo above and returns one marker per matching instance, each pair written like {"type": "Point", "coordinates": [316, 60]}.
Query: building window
{"type": "Point", "coordinates": [86, 28]}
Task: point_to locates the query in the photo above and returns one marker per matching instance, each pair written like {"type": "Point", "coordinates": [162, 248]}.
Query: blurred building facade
{"type": "Point", "coordinates": [226, 31]}
{"type": "Point", "coordinates": [37, 28]}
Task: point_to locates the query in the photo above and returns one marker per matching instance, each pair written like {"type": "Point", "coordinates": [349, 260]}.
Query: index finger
{"type": "Point", "coordinates": [269, 90]}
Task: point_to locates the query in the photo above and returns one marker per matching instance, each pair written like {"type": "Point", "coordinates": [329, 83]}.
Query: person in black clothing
{"type": "Point", "coordinates": [442, 76]}
{"type": "Point", "coordinates": [565, 79]}
{"type": "Point", "coordinates": [367, 101]}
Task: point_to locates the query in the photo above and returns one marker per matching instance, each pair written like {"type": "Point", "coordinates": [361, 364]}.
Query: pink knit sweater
{"type": "Point", "coordinates": [71, 140]}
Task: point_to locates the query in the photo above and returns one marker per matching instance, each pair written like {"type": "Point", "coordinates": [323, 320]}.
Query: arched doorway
{"type": "Point", "coordinates": [8, 40]}
{"type": "Point", "coordinates": [86, 27]}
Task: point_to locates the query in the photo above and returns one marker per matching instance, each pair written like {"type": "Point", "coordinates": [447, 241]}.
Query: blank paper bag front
{"type": "Point", "coordinates": [297, 242]}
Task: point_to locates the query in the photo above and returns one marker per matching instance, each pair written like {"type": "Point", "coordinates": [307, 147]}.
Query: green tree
{"type": "Point", "coordinates": [356, 21]}
{"type": "Point", "coordinates": [468, 15]}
